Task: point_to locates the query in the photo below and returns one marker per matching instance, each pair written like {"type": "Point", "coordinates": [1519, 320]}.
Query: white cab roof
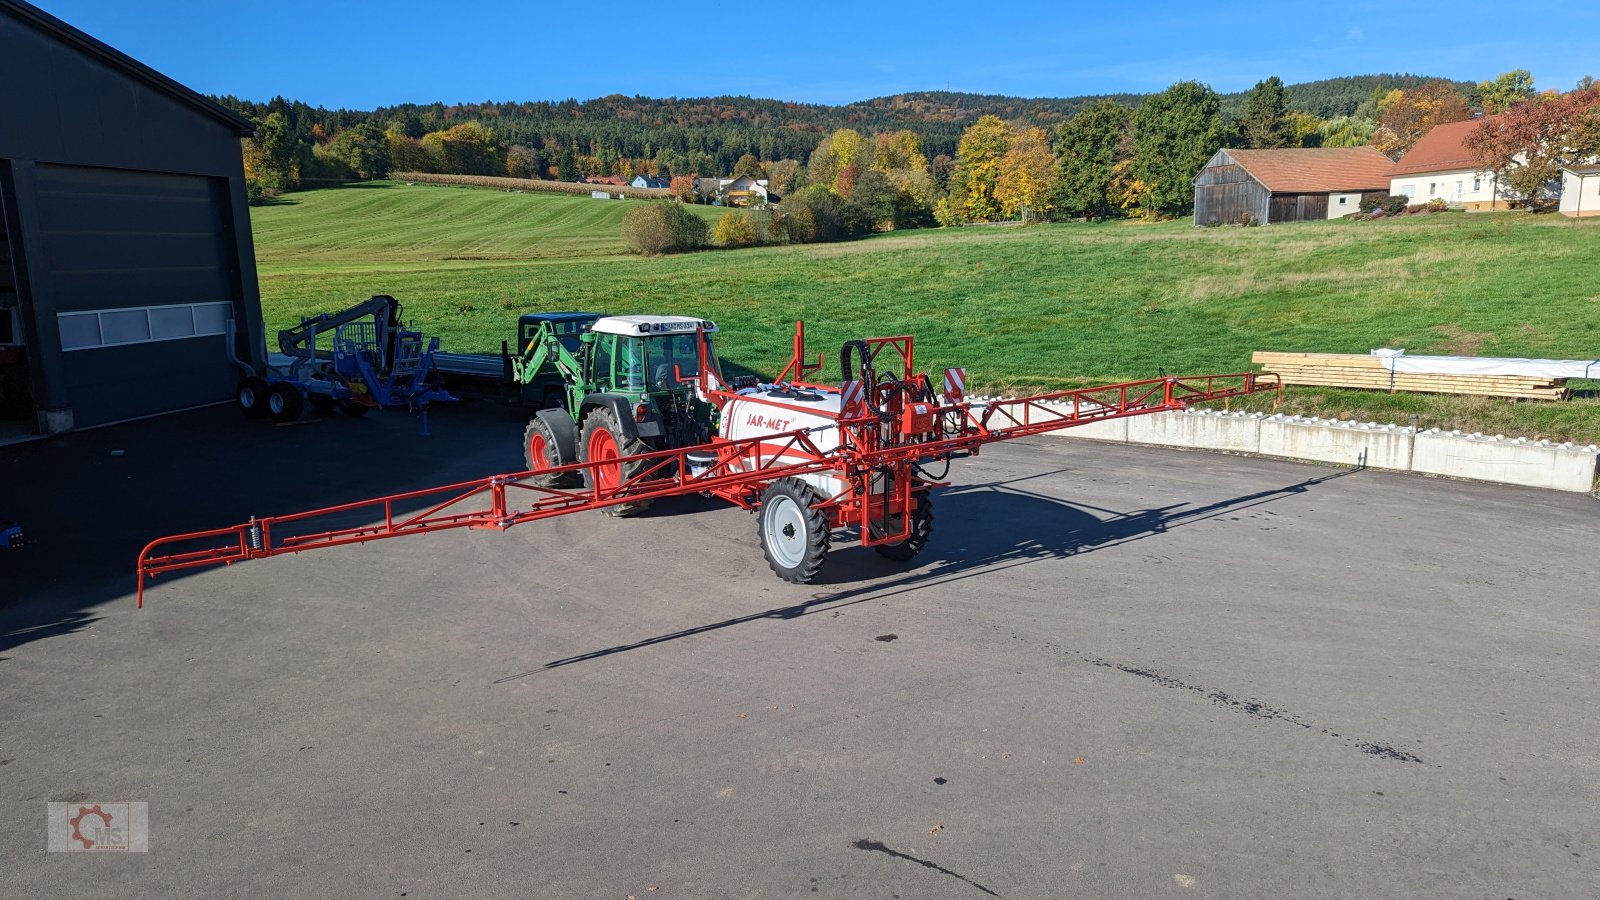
{"type": "Point", "coordinates": [638, 325]}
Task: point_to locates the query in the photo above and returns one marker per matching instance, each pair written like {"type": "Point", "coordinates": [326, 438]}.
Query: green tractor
{"type": "Point", "coordinates": [630, 387]}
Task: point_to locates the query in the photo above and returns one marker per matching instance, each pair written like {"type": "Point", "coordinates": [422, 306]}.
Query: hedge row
{"type": "Point", "coordinates": [531, 184]}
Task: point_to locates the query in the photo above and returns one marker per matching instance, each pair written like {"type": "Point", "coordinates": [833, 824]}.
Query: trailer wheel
{"type": "Point", "coordinates": [793, 534]}
{"type": "Point", "coordinates": [921, 531]}
{"type": "Point", "coordinates": [353, 409]}
{"type": "Point", "coordinates": [322, 403]}
{"type": "Point", "coordinates": [602, 440]}
{"type": "Point", "coordinates": [252, 396]}
{"type": "Point", "coordinates": [285, 402]}
{"type": "Point", "coordinates": [541, 450]}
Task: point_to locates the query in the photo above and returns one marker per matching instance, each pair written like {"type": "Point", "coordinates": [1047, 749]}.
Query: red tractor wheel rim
{"type": "Point", "coordinates": [536, 453]}
{"type": "Point", "coordinates": [602, 447]}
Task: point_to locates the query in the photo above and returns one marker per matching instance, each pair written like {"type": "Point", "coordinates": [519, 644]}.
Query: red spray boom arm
{"type": "Point", "coordinates": [875, 434]}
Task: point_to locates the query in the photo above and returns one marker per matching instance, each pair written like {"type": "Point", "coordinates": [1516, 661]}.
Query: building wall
{"type": "Point", "coordinates": [1297, 208]}
{"type": "Point", "coordinates": [1341, 204]}
{"type": "Point", "coordinates": [1466, 188]}
{"type": "Point", "coordinates": [1225, 192]}
{"type": "Point", "coordinates": [127, 198]}
{"type": "Point", "coordinates": [1580, 195]}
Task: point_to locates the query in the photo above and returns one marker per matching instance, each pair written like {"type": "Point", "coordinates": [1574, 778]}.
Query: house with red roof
{"type": "Point", "coordinates": [1298, 184]}
{"type": "Point", "coordinates": [1439, 166]}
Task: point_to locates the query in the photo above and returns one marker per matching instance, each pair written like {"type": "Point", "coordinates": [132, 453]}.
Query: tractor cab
{"type": "Point", "coordinates": [651, 354]}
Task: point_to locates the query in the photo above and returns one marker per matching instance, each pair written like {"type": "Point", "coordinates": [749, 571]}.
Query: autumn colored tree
{"type": "Point", "coordinates": [838, 161]}
{"type": "Point", "coordinates": [682, 187]}
{"type": "Point", "coordinates": [1414, 113]}
{"type": "Point", "coordinates": [734, 229]}
{"type": "Point", "coordinates": [1304, 130]}
{"type": "Point", "coordinates": [978, 155]}
{"type": "Point", "coordinates": [405, 152]}
{"type": "Point", "coordinates": [1506, 90]}
{"type": "Point", "coordinates": [749, 165]}
{"type": "Point", "coordinates": [1088, 147]}
{"type": "Point", "coordinates": [1175, 133]}
{"type": "Point", "coordinates": [1527, 146]}
{"type": "Point", "coordinates": [1027, 176]}
{"type": "Point", "coordinates": [1265, 122]}
{"type": "Point", "coordinates": [465, 149]}
{"type": "Point", "coordinates": [524, 162]}
{"type": "Point", "coordinates": [783, 176]}
{"type": "Point", "coordinates": [897, 155]}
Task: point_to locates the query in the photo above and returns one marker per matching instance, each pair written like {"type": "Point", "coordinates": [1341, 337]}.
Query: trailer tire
{"type": "Point", "coordinates": [921, 532]}
{"type": "Point", "coordinates": [322, 403]}
{"type": "Point", "coordinates": [604, 439]}
{"type": "Point", "coordinates": [251, 395]}
{"type": "Point", "coordinates": [543, 449]}
{"type": "Point", "coordinates": [285, 403]}
{"type": "Point", "coordinates": [793, 533]}
{"type": "Point", "coordinates": [353, 409]}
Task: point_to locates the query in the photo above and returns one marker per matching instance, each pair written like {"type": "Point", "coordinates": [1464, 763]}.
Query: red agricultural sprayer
{"type": "Point", "coordinates": [810, 458]}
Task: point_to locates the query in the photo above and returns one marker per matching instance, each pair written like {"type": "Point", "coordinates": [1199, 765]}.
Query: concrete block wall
{"type": "Point", "coordinates": [1400, 448]}
{"type": "Point", "coordinates": [1564, 467]}
{"type": "Point", "coordinates": [1330, 440]}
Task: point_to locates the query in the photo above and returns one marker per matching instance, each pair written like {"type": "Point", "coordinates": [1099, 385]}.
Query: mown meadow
{"type": "Point", "coordinates": [1038, 307]}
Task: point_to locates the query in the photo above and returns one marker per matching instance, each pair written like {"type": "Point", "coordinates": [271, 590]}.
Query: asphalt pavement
{"type": "Point", "coordinates": [1116, 672]}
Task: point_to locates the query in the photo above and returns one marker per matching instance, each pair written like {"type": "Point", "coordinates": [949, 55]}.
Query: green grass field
{"type": "Point", "coordinates": [1046, 306]}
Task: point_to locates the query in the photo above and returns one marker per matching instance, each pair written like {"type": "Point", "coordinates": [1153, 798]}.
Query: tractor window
{"type": "Point", "coordinates": [681, 351]}
{"type": "Point", "coordinates": [630, 364]}
{"type": "Point", "coordinates": [600, 359]}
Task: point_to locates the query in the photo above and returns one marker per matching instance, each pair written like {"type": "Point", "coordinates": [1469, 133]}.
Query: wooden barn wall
{"type": "Point", "coordinates": [1298, 208]}
{"type": "Point", "coordinates": [1227, 202]}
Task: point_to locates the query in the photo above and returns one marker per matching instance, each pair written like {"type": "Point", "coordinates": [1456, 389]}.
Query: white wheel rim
{"type": "Point", "coordinates": [247, 397]}
{"type": "Point", "coordinates": [785, 529]}
{"type": "Point", "coordinates": [276, 403]}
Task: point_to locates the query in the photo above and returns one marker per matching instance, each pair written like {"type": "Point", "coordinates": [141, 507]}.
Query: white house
{"type": "Point", "coordinates": [1580, 191]}
{"type": "Point", "coordinates": [1441, 167]}
{"type": "Point", "coordinates": [649, 181]}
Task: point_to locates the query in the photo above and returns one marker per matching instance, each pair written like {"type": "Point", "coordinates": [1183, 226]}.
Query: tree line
{"type": "Point", "coordinates": [626, 136]}
{"type": "Point", "coordinates": [1048, 159]}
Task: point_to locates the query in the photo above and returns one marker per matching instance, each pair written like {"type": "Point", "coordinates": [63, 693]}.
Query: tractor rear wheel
{"type": "Point", "coordinates": [921, 531]}
{"type": "Point", "coordinates": [793, 534]}
{"type": "Point", "coordinates": [540, 450]}
{"type": "Point", "coordinates": [603, 440]}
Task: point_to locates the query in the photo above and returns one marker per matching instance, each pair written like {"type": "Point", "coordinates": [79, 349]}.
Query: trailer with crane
{"type": "Point", "coordinates": [810, 458]}
{"type": "Point", "coordinates": [371, 360]}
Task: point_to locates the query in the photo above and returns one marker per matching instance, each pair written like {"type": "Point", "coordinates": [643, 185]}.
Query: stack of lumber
{"type": "Point", "coordinates": [1360, 370]}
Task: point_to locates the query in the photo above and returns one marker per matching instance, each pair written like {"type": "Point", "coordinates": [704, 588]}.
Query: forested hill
{"type": "Point", "coordinates": [725, 128]}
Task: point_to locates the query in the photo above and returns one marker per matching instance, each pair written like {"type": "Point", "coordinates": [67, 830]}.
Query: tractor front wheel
{"type": "Point", "coordinates": [793, 533]}
{"type": "Point", "coordinates": [921, 531]}
{"type": "Point", "coordinates": [541, 451]}
{"type": "Point", "coordinates": [602, 441]}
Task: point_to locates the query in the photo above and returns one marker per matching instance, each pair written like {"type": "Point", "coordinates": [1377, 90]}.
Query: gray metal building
{"type": "Point", "coordinates": [125, 242]}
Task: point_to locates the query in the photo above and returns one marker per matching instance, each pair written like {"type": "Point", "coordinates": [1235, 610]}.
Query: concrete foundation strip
{"type": "Point", "coordinates": [1399, 448]}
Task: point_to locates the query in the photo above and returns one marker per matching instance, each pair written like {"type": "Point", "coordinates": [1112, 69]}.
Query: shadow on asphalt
{"type": "Point", "coordinates": [1002, 527]}
{"type": "Point", "coordinates": [90, 500]}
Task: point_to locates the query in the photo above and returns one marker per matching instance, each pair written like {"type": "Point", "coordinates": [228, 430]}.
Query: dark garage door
{"type": "Point", "coordinates": [141, 270]}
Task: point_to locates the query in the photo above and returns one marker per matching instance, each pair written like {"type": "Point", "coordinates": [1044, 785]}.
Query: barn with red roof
{"type": "Point", "coordinates": [1297, 184]}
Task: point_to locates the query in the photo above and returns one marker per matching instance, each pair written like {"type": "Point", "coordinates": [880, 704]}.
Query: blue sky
{"type": "Point", "coordinates": [363, 54]}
